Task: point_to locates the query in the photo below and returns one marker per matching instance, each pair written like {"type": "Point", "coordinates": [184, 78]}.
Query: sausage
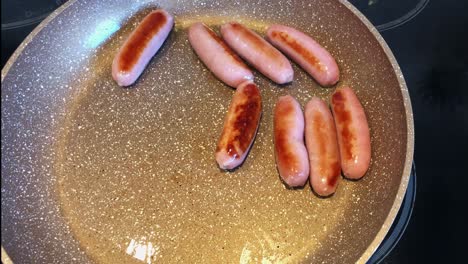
{"type": "Point", "coordinates": [258, 52]}
{"type": "Point", "coordinates": [141, 46]}
{"type": "Point", "coordinates": [290, 151]}
{"type": "Point", "coordinates": [322, 147]}
{"type": "Point", "coordinates": [240, 126]}
{"type": "Point", "coordinates": [353, 133]}
{"type": "Point", "coordinates": [306, 52]}
{"type": "Point", "coordinates": [217, 55]}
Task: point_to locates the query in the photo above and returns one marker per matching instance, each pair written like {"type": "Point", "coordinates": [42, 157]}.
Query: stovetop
{"type": "Point", "coordinates": [432, 52]}
{"type": "Point", "coordinates": [430, 41]}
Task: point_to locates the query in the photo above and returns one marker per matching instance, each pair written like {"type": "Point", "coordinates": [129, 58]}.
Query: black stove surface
{"type": "Point", "coordinates": [430, 41]}
{"type": "Point", "coordinates": [432, 50]}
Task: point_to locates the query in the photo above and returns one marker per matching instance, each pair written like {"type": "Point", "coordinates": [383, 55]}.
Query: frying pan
{"type": "Point", "coordinates": [92, 172]}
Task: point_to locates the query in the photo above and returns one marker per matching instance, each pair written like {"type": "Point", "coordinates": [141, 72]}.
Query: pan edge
{"type": "Point", "coordinates": [5, 258]}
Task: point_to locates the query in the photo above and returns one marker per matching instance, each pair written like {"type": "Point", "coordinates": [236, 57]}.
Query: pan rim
{"type": "Point", "coordinates": [5, 258]}
{"type": "Point", "coordinates": [366, 255]}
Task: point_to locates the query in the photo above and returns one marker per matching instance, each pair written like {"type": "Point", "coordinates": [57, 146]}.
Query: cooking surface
{"type": "Point", "coordinates": [135, 169]}
{"type": "Point", "coordinates": [434, 61]}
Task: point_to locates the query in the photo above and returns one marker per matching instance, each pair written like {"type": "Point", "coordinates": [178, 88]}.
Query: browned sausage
{"type": "Point", "coordinates": [353, 133]}
{"type": "Point", "coordinates": [291, 153]}
{"type": "Point", "coordinates": [322, 146]}
{"type": "Point", "coordinates": [240, 126]}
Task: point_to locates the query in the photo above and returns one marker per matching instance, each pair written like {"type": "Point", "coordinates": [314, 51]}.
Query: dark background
{"type": "Point", "coordinates": [432, 50]}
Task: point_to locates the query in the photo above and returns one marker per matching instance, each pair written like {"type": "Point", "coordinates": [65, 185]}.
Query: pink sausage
{"type": "Point", "coordinates": [141, 46]}
{"type": "Point", "coordinates": [322, 146]}
{"type": "Point", "coordinates": [240, 126]}
{"type": "Point", "coordinates": [306, 52]}
{"type": "Point", "coordinates": [290, 151]}
{"type": "Point", "coordinates": [217, 56]}
{"type": "Point", "coordinates": [353, 133]}
{"type": "Point", "coordinates": [258, 52]}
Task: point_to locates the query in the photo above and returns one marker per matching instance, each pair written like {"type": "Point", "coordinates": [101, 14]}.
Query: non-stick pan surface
{"type": "Point", "coordinates": [92, 172]}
